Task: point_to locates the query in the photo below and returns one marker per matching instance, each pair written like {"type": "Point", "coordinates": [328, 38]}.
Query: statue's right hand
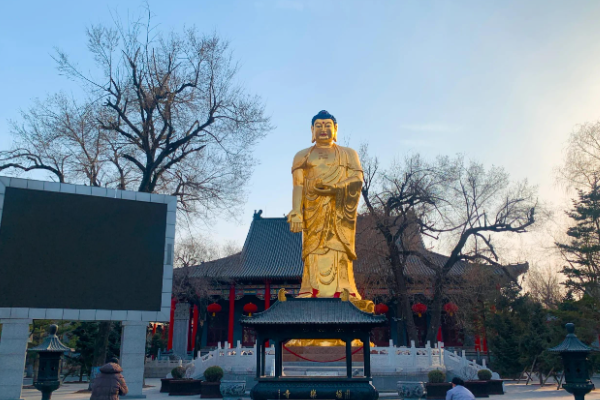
{"type": "Point", "coordinates": [295, 221]}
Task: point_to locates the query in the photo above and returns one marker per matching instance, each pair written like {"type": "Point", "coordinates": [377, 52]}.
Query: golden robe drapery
{"type": "Point", "coordinates": [329, 228]}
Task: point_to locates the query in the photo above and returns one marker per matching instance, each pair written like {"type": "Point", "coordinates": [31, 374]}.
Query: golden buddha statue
{"type": "Point", "coordinates": [327, 187]}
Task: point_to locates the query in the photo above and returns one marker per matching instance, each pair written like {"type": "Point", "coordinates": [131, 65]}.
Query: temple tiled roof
{"type": "Point", "coordinates": [313, 311]}
{"type": "Point", "coordinates": [416, 268]}
{"type": "Point", "coordinates": [271, 251]}
{"type": "Point", "coordinates": [223, 268]}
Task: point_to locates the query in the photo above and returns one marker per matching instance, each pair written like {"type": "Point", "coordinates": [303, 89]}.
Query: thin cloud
{"type": "Point", "coordinates": [415, 143]}
{"type": "Point", "coordinates": [290, 5]}
{"type": "Point", "coordinates": [431, 128]}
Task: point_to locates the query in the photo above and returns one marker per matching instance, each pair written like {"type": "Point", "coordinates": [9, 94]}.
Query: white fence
{"type": "Point", "coordinates": [384, 360]}
{"type": "Point", "coordinates": [407, 360]}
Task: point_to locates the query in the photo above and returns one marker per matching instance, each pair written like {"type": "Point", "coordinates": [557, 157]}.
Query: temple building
{"type": "Point", "coordinates": [271, 259]}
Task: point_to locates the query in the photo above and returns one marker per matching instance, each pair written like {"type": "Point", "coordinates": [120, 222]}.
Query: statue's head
{"type": "Point", "coordinates": [324, 128]}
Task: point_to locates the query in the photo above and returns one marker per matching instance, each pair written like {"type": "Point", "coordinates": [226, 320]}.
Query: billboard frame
{"type": "Point", "coordinates": [100, 314]}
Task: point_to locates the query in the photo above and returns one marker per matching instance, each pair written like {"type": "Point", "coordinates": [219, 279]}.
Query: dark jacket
{"type": "Point", "coordinates": [109, 384]}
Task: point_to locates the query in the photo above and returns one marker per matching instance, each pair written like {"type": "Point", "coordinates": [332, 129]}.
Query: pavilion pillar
{"type": "Point", "coordinates": [367, 355]}
{"type": "Point", "coordinates": [349, 357]}
{"type": "Point", "coordinates": [259, 350]}
{"type": "Point", "coordinates": [231, 314]}
{"type": "Point", "coordinates": [171, 324]}
{"type": "Point", "coordinates": [278, 358]}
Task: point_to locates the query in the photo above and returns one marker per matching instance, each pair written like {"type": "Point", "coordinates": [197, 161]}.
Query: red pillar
{"type": "Point", "coordinates": [190, 329]}
{"type": "Point", "coordinates": [267, 300]}
{"type": "Point", "coordinates": [154, 329]}
{"type": "Point", "coordinates": [171, 324]}
{"type": "Point", "coordinates": [195, 328]}
{"type": "Point", "coordinates": [231, 311]}
{"type": "Point", "coordinates": [477, 343]}
{"type": "Point", "coordinates": [267, 294]}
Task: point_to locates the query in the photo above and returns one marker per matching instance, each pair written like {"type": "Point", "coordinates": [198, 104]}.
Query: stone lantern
{"type": "Point", "coordinates": [50, 353]}
{"type": "Point", "coordinates": [575, 362]}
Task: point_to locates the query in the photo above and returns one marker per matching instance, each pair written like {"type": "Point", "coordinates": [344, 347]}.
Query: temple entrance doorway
{"type": "Point", "coordinates": [217, 329]}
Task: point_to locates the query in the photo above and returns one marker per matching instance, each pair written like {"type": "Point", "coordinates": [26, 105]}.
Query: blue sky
{"type": "Point", "coordinates": [502, 82]}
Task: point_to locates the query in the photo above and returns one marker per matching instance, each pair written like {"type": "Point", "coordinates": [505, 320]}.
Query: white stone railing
{"type": "Point", "coordinates": [238, 360]}
{"type": "Point", "coordinates": [384, 360]}
{"type": "Point", "coordinates": [466, 369]}
{"type": "Point", "coordinates": [393, 359]}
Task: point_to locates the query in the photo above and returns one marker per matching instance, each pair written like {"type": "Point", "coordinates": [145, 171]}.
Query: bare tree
{"type": "Point", "coordinates": [581, 165]}
{"type": "Point", "coordinates": [162, 114]}
{"type": "Point", "coordinates": [544, 285]}
{"type": "Point", "coordinates": [192, 251]}
{"type": "Point", "coordinates": [165, 115]}
{"type": "Point", "coordinates": [396, 209]}
{"type": "Point", "coordinates": [580, 249]}
{"type": "Point", "coordinates": [229, 248]}
{"type": "Point", "coordinates": [192, 287]}
{"type": "Point", "coordinates": [460, 203]}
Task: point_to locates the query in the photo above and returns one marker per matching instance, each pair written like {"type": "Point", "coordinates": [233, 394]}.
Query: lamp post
{"type": "Point", "coordinates": [575, 362]}
{"type": "Point", "coordinates": [50, 352]}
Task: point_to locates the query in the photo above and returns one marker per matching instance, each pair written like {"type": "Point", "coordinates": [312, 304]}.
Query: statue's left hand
{"type": "Point", "coordinates": [324, 189]}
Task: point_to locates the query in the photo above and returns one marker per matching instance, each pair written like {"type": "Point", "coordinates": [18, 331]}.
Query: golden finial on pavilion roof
{"type": "Point", "coordinates": [281, 295]}
{"type": "Point", "coordinates": [345, 295]}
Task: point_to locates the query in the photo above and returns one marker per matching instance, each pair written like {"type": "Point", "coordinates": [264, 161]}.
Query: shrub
{"type": "Point", "coordinates": [213, 374]}
{"type": "Point", "coordinates": [484, 374]}
{"type": "Point", "coordinates": [436, 376]}
{"type": "Point", "coordinates": [178, 373]}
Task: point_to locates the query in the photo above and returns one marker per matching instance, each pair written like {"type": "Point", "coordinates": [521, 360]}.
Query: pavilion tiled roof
{"type": "Point", "coordinates": [303, 311]}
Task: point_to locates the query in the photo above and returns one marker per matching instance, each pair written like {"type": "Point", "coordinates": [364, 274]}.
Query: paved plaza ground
{"type": "Point", "coordinates": [513, 392]}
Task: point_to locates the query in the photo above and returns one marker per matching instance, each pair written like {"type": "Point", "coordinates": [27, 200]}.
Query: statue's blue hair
{"type": "Point", "coordinates": [323, 114]}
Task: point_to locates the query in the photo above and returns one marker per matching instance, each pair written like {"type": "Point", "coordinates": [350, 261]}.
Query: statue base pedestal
{"type": "Point", "coordinates": [320, 354]}
{"type": "Point", "coordinates": [314, 388]}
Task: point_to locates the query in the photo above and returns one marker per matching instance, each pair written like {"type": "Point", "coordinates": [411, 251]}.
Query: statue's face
{"type": "Point", "coordinates": [324, 131]}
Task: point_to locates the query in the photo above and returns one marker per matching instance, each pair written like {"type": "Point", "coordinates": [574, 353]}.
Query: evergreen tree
{"type": "Point", "coordinates": [504, 346]}
{"type": "Point", "coordinates": [519, 334]}
{"type": "Point", "coordinates": [582, 251]}
{"type": "Point", "coordinates": [585, 314]}
{"type": "Point", "coordinates": [86, 334]}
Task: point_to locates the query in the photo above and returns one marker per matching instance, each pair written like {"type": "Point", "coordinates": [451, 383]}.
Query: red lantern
{"type": "Point", "coordinates": [250, 308]}
{"type": "Point", "coordinates": [450, 308]}
{"type": "Point", "coordinates": [419, 309]}
{"type": "Point", "coordinates": [213, 308]}
{"type": "Point", "coordinates": [381, 309]}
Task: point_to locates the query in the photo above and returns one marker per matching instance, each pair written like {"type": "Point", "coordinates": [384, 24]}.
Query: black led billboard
{"type": "Point", "coordinates": [62, 250]}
